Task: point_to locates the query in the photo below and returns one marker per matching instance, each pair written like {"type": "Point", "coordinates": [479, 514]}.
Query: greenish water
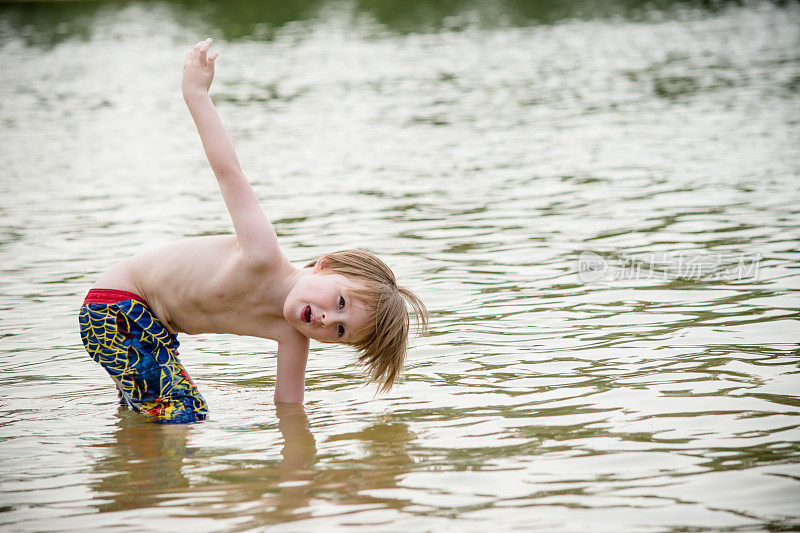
{"type": "Point", "coordinates": [597, 201]}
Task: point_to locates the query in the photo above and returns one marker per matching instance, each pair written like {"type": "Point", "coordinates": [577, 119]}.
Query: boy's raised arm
{"type": "Point", "coordinates": [253, 229]}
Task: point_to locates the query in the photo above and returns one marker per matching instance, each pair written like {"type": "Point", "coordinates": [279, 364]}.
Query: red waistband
{"type": "Point", "coordinates": [110, 296]}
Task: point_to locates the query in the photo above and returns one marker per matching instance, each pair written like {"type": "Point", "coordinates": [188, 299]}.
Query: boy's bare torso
{"type": "Point", "coordinates": [208, 285]}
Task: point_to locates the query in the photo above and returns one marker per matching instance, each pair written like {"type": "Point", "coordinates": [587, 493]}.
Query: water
{"type": "Point", "coordinates": [599, 206]}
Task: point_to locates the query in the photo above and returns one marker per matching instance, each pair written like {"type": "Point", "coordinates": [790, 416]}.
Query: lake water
{"type": "Point", "coordinates": [599, 203]}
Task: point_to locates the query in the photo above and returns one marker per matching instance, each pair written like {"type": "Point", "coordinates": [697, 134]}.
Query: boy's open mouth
{"type": "Point", "coordinates": [307, 314]}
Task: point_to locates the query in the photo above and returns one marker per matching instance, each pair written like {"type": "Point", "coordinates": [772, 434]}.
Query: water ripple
{"type": "Point", "coordinates": [600, 213]}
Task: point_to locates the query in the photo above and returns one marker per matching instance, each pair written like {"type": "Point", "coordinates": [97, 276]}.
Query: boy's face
{"type": "Point", "coordinates": [321, 307]}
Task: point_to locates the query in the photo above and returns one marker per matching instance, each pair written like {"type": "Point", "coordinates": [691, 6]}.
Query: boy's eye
{"type": "Point", "coordinates": [341, 302]}
{"type": "Point", "coordinates": [341, 330]}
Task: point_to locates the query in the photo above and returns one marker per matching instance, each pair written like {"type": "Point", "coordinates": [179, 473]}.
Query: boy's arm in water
{"type": "Point", "coordinates": [254, 231]}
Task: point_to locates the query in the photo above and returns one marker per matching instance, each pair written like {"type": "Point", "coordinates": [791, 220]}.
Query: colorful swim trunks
{"type": "Point", "coordinates": [121, 334]}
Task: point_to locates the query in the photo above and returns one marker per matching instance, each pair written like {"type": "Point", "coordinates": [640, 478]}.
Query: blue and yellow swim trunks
{"type": "Point", "coordinates": [121, 334]}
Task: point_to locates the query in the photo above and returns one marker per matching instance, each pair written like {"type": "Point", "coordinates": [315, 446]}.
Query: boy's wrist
{"type": "Point", "coordinates": [195, 93]}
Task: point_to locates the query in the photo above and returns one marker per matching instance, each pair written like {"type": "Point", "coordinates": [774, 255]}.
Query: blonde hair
{"type": "Point", "coordinates": [383, 342]}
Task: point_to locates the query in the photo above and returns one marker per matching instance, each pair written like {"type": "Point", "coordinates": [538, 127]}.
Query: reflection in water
{"type": "Point", "coordinates": [142, 462]}
{"type": "Point", "coordinates": [294, 487]}
{"type": "Point", "coordinates": [295, 470]}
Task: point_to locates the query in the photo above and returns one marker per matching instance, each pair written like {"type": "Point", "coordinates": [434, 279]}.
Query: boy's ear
{"type": "Point", "coordinates": [321, 263]}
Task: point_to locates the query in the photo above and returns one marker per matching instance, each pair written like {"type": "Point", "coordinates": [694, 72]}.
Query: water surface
{"type": "Point", "coordinates": [599, 206]}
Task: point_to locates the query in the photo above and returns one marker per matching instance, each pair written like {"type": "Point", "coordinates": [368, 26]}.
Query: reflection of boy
{"type": "Point", "coordinates": [139, 465]}
{"type": "Point", "coordinates": [241, 284]}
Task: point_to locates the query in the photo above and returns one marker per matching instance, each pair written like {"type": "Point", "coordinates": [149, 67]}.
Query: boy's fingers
{"type": "Point", "coordinates": [213, 56]}
{"type": "Point", "coordinates": [200, 50]}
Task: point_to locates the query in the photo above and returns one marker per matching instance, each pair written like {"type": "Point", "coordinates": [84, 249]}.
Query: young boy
{"type": "Point", "coordinates": [239, 284]}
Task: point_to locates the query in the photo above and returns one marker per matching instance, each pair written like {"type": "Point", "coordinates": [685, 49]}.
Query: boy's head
{"type": "Point", "coordinates": [363, 289]}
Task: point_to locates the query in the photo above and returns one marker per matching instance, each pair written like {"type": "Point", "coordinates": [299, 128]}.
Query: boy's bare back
{"type": "Point", "coordinates": [208, 285]}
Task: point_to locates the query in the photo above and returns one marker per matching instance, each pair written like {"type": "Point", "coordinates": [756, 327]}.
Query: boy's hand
{"type": "Point", "coordinates": [198, 69]}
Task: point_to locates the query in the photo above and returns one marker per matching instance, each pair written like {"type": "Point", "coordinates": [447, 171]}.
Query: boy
{"type": "Point", "coordinates": [239, 284]}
